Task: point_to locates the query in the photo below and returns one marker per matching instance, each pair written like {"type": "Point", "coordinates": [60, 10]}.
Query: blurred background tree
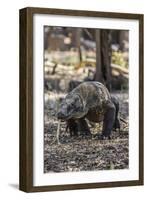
{"type": "Point", "coordinates": [83, 54]}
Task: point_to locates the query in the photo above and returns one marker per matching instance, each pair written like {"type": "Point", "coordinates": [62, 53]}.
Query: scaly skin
{"type": "Point", "coordinates": [90, 100]}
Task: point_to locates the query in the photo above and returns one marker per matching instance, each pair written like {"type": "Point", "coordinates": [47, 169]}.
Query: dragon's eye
{"type": "Point", "coordinates": [72, 104]}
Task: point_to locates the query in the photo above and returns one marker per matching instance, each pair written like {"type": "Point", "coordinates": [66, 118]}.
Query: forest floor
{"type": "Point", "coordinates": [82, 153]}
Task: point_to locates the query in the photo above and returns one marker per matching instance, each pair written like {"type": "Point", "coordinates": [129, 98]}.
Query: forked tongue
{"type": "Point", "coordinates": [58, 131]}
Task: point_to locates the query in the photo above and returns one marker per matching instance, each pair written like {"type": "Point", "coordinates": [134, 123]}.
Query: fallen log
{"type": "Point", "coordinates": [119, 68]}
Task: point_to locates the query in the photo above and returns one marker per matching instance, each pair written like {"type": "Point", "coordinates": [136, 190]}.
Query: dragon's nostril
{"type": "Point", "coordinates": [60, 115]}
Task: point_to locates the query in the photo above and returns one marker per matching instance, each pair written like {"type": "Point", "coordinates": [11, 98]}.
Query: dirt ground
{"type": "Point", "coordinates": [82, 153]}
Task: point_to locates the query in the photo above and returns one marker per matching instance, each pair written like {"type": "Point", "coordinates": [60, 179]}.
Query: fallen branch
{"type": "Point", "coordinates": [119, 68]}
{"type": "Point", "coordinates": [123, 120]}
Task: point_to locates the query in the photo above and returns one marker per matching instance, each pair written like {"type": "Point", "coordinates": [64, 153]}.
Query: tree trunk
{"type": "Point", "coordinates": [78, 43]}
{"type": "Point", "coordinates": [123, 39]}
{"type": "Point", "coordinates": [103, 58]}
{"type": "Point", "coordinates": [98, 74]}
{"type": "Point", "coordinates": [106, 57]}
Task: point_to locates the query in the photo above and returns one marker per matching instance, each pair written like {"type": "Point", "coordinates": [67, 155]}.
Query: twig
{"type": "Point", "coordinates": [123, 120]}
{"type": "Point", "coordinates": [88, 33]}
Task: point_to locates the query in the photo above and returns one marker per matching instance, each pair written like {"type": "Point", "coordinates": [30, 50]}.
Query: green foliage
{"type": "Point", "coordinates": [119, 59]}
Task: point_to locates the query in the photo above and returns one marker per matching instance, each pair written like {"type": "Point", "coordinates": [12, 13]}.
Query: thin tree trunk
{"type": "Point", "coordinates": [78, 43]}
{"type": "Point", "coordinates": [103, 56]}
{"type": "Point", "coordinates": [106, 57]}
{"type": "Point", "coordinates": [98, 74]}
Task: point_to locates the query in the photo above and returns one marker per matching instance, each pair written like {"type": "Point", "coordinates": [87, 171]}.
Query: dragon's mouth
{"type": "Point", "coordinates": [62, 117]}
